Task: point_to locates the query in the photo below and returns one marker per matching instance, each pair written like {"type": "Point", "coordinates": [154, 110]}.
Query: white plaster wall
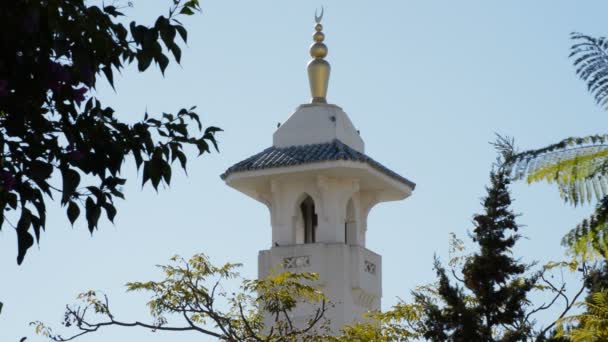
{"type": "Point", "coordinates": [342, 277]}
{"type": "Point", "coordinates": [318, 123]}
{"type": "Point", "coordinates": [341, 266]}
{"type": "Point", "coordinates": [344, 269]}
{"type": "Point", "coordinates": [330, 196]}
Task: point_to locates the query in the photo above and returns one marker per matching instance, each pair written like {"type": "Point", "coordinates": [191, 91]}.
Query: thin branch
{"type": "Point", "coordinates": [246, 323]}
{"type": "Point", "coordinates": [457, 277]}
{"type": "Point", "coordinates": [567, 308]}
{"type": "Point", "coordinates": [199, 329]}
{"type": "Point", "coordinates": [559, 293]}
{"type": "Point", "coordinates": [87, 327]}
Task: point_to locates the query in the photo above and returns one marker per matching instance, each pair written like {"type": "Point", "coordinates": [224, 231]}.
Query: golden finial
{"type": "Point", "coordinates": [318, 68]}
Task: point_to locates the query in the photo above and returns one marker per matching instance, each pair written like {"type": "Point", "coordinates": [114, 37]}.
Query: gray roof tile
{"type": "Point", "coordinates": [274, 157]}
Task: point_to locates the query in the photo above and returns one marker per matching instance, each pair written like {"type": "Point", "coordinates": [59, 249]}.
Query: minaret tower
{"type": "Point", "coordinates": [320, 186]}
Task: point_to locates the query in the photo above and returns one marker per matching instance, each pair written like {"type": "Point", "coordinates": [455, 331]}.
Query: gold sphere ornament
{"type": "Point", "coordinates": [318, 36]}
{"type": "Point", "coordinates": [318, 68]}
{"type": "Point", "coordinates": [318, 50]}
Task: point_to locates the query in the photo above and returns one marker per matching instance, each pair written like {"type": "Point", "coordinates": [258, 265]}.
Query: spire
{"type": "Point", "coordinates": [318, 68]}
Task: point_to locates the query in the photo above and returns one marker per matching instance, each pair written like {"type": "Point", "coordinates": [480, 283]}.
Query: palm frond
{"type": "Point", "coordinates": [590, 56]}
{"type": "Point", "coordinates": [589, 239]}
{"type": "Point", "coordinates": [579, 167]}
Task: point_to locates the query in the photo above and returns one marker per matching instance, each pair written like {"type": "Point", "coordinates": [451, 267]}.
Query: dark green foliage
{"type": "Point", "coordinates": [579, 168]}
{"type": "Point", "coordinates": [597, 280]}
{"type": "Point", "coordinates": [577, 165]}
{"type": "Point", "coordinates": [590, 236]}
{"type": "Point", "coordinates": [51, 124]}
{"type": "Point", "coordinates": [490, 305]}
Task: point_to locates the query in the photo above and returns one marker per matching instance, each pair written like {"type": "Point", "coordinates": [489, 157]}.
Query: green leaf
{"type": "Point", "coordinates": [144, 59]}
{"type": "Point", "coordinates": [166, 171]}
{"type": "Point", "coordinates": [138, 32]}
{"type": "Point", "coordinates": [146, 174]}
{"type": "Point", "coordinates": [177, 52]}
{"type": "Point", "coordinates": [110, 211]}
{"type": "Point", "coordinates": [182, 159]}
{"type": "Point", "coordinates": [71, 180]}
{"type": "Point", "coordinates": [107, 70]}
{"type": "Point", "coordinates": [92, 213]}
{"type": "Point", "coordinates": [168, 116]}
{"type": "Point", "coordinates": [202, 146]}
{"type": "Point", "coordinates": [193, 4]}
{"type": "Point", "coordinates": [24, 238]}
{"type": "Point", "coordinates": [155, 172]}
{"type": "Point", "coordinates": [73, 212]}
{"type": "Point", "coordinates": [36, 225]}
{"type": "Point", "coordinates": [137, 157]}
{"type": "Point", "coordinates": [163, 62]}
{"type": "Point", "coordinates": [182, 32]}
{"type": "Point", "coordinates": [187, 11]}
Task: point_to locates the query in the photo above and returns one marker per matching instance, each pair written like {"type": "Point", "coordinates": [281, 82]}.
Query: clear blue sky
{"type": "Point", "coordinates": [427, 83]}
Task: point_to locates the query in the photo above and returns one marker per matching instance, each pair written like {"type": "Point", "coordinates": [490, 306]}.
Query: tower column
{"type": "Point", "coordinates": [335, 194]}
{"type": "Point", "coordinates": [319, 186]}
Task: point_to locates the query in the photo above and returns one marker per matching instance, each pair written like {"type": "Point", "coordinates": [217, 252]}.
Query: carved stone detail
{"type": "Point", "coordinates": [364, 299]}
{"type": "Point", "coordinates": [369, 267]}
{"type": "Point", "coordinates": [296, 261]}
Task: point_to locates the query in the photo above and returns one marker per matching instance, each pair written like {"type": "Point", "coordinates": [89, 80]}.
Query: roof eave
{"type": "Point", "coordinates": [402, 185]}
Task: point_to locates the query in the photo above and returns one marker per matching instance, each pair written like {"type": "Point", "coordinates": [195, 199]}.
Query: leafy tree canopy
{"type": "Point", "coordinates": [193, 292]}
{"type": "Point", "coordinates": [51, 123]}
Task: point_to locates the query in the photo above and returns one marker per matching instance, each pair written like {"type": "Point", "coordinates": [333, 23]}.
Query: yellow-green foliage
{"type": "Point", "coordinates": [401, 323]}
{"type": "Point", "coordinates": [589, 239]}
{"type": "Point", "coordinates": [575, 174]}
{"type": "Point", "coordinates": [579, 168]}
{"type": "Point", "coordinates": [592, 326]}
{"type": "Point", "coordinates": [282, 291]}
{"type": "Point", "coordinates": [186, 282]}
{"type": "Point", "coordinates": [193, 291]}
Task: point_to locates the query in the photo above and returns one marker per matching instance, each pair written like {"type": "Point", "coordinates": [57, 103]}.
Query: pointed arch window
{"type": "Point", "coordinates": [309, 218]}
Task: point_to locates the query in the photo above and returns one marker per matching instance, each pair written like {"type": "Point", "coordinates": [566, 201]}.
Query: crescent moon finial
{"type": "Point", "coordinates": [319, 17]}
{"type": "Point", "coordinates": [318, 67]}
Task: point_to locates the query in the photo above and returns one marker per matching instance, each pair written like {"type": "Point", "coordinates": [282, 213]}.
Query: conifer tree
{"type": "Point", "coordinates": [490, 305]}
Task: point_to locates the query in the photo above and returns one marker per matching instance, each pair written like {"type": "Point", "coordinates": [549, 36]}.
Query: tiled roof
{"type": "Point", "coordinates": [274, 157]}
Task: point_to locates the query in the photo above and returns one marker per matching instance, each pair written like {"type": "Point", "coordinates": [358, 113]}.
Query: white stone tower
{"type": "Point", "coordinates": [319, 186]}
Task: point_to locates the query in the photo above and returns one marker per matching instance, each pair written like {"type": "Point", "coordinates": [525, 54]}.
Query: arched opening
{"type": "Point", "coordinates": [307, 227]}
{"type": "Point", "coordinates": [350, 224]}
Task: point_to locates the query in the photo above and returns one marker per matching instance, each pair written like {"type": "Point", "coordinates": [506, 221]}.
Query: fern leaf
{"type": "Point", "coordinates": [589, 239]}
{"type": "Point", "coordinates": [578, 165]}
{"type": "Point", "coordinates": [591, 61]}
{"type": "Point", "coordinates": [589, 326]}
